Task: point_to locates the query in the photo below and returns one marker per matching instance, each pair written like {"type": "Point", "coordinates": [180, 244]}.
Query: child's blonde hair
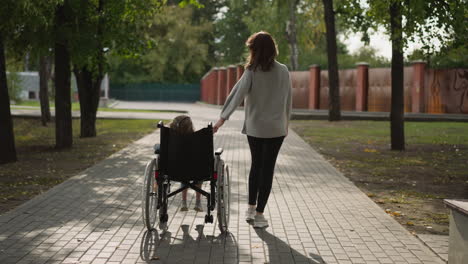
{"type": "Point", "coordinates": [182, 124]}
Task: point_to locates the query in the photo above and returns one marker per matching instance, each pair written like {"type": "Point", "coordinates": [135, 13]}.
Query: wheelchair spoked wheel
{"type": "Point", "coordinates": [223, 195]}
{"type": "Point", "coordinates": [150, 195]}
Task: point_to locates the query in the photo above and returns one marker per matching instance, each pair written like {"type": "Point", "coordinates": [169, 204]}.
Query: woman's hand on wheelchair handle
{"type": "Point", "coordinates": [218, 125]}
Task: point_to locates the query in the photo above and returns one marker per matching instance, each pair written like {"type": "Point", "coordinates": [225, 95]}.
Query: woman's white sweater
{"type": "Point", "coordinates": [268, 101]}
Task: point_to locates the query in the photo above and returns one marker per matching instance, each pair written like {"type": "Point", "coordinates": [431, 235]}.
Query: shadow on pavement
{"type": "Point", "coordinates": [280, 252]}
{"type": "Point", "coordinates": [163, 247]}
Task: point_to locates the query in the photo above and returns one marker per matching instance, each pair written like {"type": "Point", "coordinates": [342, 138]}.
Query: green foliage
{"type": "Point", "coordinates": [423, 21]}
{"type": "Point", "coordinates": [14, 86]}
{"type": "Point", "coordinates": [266, 16]}
{"type": "Point", "coordinates": [179, 54]}
{"type": "Point", "coordinates": [232, 33]}
{"type": "Point", "coordinates": [195, 3]}
{"type": "Point", "coordinates": [243, 19]}
{"type": "Point", "coordinates": [364, 54]}
{"type": "Point", "coordinates": [451, 56]}
{"type": "Point", "coordinates": [187, 42]}
{"type": "Point", "coordinates": [109, 26]}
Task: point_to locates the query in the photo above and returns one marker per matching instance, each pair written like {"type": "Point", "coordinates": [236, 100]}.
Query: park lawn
{"type": "Point", "coordinates": [76, 107]}
{"type": "Point", "coordinates": [41, 166]}
{"type": "Point", "coordinates": [409, 185]}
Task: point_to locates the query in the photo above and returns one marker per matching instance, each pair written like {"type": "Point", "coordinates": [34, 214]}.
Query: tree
{"type": "Point", "coordinates": [291, 33]}
{"type": "Point", "coordinates": [405, 20]}
{"type": "Point", "coordinates": [206, 14]}
{"type": "Point", "coordinates": [232, 32]}
{"type": "Point", "coordinates": [264, 16]}
{"type": "Point", "coordinates": [10, 14]}
{"type": "Point", "coordinates": [103, 26]}
{"type": "Point", "coordinates": [17, 16]}
{"type": "Point", "coordinates": [89, 61]}
{"type": "Point", "coordinates": [36, 41]}
{"type": "Point", "coordinates": [8, 150]}
{"type": "Point", "coordinates": [397, 131]}
{"type": "Point", "coordinates": [334, 112]}
{"type": "Point", "coordinates": [299, 34]}
{"type": "Point", "coordinates": [44, 76]}
{"type": "Point", "coordinates": [63, 115]}
{"type": "Point", "coordinates": [172, 27]}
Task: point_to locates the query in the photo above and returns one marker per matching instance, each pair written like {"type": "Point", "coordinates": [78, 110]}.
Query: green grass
{"type": "Point", "coordinates": [31, 132]}
{"type": "Point", "coordinates": [76, 107]}
{"type": "Point", "coordinates": [379, 132]}
{"type": "Point", "coordinates": [433, 167]}
{"type": "Point", "coordinates": [41, 166]}
{"type": "Point", "coordinates": [29, 103]}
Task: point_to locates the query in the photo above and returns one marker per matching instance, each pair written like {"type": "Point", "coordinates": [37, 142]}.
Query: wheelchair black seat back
{"type": "Point", "coordinates": [185, 158]}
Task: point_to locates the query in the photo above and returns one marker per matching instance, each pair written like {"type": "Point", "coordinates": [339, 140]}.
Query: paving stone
{"type": "Point", "coordinates": [316, 214]}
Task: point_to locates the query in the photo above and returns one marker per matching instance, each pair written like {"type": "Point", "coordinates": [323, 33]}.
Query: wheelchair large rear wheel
{"type": "Point", "coordinates": [150, 195]}
{"type": "Point", "coordinates": [224, 197]}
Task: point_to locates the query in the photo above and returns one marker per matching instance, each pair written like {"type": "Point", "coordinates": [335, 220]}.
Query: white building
{"type": "Point", "coordinates": [29, 82]}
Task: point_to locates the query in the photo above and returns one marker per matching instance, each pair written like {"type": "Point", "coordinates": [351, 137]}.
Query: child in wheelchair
{"type": "Point", "coordinates": [187, 156]}
{"type": "Point", "coordinates": [182, 124]}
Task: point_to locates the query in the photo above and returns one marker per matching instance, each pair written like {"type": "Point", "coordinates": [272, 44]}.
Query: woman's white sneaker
{"type": "Point", "coordinates": [250, 214]}
{"type": "Point", "coordinates": [260, 221]}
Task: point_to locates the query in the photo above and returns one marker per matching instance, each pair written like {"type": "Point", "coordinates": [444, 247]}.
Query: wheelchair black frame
{"type": "Point", "coordinates": [211, 197]}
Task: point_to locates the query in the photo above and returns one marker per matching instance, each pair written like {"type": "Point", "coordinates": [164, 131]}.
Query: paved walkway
{"type": "Point", "coordinates": [317, 215]}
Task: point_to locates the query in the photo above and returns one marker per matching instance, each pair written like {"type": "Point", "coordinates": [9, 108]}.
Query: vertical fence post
{"type": "Point", "coordinates": [417, 88]}
{"type": "Point", "coordinates": [231, 79]}
{"type": "Point", "coordinates": [314, 87]}
{"type": "Point", "coordinates": [213, 87]}
{"type": "Point", "coordinates": [239, 72]}
{"type": "Point", "coordinates": [362, 86]}
{"type": "Point", "coordinates": [221, 91]}
{"type": "Point", "coordinates": [204, 83]}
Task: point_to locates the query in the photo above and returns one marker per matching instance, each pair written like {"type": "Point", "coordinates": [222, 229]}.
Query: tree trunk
{"type": "Point", "coordinates": [334, 111]}
{"type": "Point", "coordinates": [44, 75]}
{"type": "Point", "coordinates": [89, 83]}
{"type": "Point", "coordinates": [7, 138]}
{"type": "Point", "coordinates": [397, 108]}
{"type": "Point", "coordinates": [89, 93]}
{"type": "Point", "coordinates": [291, 34]}
{"type": "Point", "coordinates": [63, 115]}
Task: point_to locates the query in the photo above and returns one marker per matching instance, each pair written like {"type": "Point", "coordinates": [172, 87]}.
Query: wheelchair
{"type": "Point", "coordinates": [185, 158]}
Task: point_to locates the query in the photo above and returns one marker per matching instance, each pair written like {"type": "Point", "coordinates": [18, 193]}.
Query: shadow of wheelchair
{"type": "Point", "coordinates": [155, 246]}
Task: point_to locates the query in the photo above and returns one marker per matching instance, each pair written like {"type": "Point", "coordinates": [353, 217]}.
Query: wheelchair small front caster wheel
{"type": "Point", "coordinates": [208, 219]}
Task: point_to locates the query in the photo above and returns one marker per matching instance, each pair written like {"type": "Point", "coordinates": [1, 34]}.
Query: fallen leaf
{"type": "Point", "coordinates": [409, 223]}
{"type": "Point", "coordinates": [370, 150]}
{"type": "Point", "coordinates": [396, 213]}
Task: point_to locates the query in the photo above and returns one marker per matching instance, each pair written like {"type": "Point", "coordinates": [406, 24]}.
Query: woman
{"type": "Point", "coordinates": [266, 88]}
